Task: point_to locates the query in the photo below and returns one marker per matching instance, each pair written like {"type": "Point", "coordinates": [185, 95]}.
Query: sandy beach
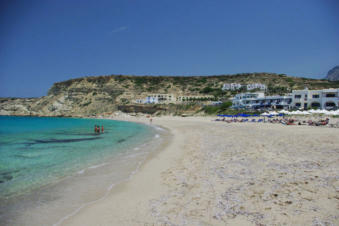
{"type": "Point", "coordinates": [215, 173]}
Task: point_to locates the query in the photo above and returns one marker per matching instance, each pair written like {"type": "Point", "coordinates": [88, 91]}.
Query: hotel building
{"type": "Point", "coordinates": [300, 99]}
{"type": "Point", "coordinates": [323, 99]}
{"type": "Point", "coordinates": [260, 101]}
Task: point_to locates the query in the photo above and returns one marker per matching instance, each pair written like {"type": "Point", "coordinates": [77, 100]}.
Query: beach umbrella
{"type": "Point", "coordinates": [322, 111]}
{"type": "Point", "coordinates": [297, 112]}
{"type": "Point", "coordinates": [273, 113]}
{"type": "Point", "coordinates": [284, 112]}
{"type": "Point", "coordinates": [319, 111]}
{"type": "Point", "coordinates": [312, 111]}
{"type": "Point", "coordinates": [332, 112]}
{"type": "Point", "coordinates": [265, 114]}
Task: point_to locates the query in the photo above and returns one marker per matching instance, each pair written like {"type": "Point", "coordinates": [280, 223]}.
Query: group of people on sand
{"type": "Point", "coordinates": [284, 121]}
{"type": "Point", "coordinates": [97, 129]}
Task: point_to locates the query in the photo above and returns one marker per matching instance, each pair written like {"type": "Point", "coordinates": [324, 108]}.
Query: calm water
{"type": "Point", "coordinates": [38, 151]}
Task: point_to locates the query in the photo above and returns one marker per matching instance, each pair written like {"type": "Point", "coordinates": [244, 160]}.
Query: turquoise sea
{"type": "Point", "coordinates": [36, 152]}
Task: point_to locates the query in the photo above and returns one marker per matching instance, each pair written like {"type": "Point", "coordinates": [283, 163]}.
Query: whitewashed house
{"type": "Point", "coordinates": [253, 86]}
{"type": "Point", "coordinates": [231, 86]}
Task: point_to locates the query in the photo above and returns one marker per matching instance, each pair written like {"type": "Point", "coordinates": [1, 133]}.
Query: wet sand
{"type": "Point", "coordinates": [215, 173]}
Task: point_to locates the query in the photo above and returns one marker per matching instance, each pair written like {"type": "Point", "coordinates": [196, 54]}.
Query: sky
{"type": "Point", "coordinates": [47, 41]}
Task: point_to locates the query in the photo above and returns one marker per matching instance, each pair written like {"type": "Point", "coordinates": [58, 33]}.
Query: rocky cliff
{"type": "Point", "coordinates": [333, 74]}
{"type": "Point", "coordinates": [106, 94]}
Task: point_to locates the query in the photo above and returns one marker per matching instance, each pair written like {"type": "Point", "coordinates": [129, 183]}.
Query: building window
{"type": "Point", "coordinates": [330, 95]}
{"type": "Point", "coordinates": [315, 105]}
{"type": "Point", "coordinates": [330, 104]}
{"type": "Point", "coordinates": [297, 104]}
{"type": "Point", "coordinates": [315, 96]}
{"type": "Point", "coordinates": [297, 96]}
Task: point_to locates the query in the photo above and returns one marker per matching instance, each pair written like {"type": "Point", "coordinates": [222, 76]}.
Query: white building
{"type": "Point", "coordinates": [160, 98]}
{"type": "Point", "coordinates": [237, 86]}
{"type": "Point", "coordinates": [323, 99]}
{"type": "Point", "coordinates": [157, 99]}
{"type": "Point", "coordinates": [194, 98]}
{"type": "Point", "coordinates": [256, 86]}
{"type": "Point", "coordinates": [231, 86]}
{"type": "Point", "coordinates": [301, 99]}
{"type": "Point", "coordinates": [170, 98]}
{"type": "Point", "coordinates": [259, 101]}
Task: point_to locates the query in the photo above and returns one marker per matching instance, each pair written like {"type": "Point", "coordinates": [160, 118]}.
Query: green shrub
{"type": "Point", "coordinates": [289, 80]}
{"type": "Point", "coordinates": [217, 108]}
{"type": "Point", "coordinates": [211, 109]}
{"type": "Point", "coordinates": [225, 105]}
{"type": "Point", "coordinates": [207, 90]}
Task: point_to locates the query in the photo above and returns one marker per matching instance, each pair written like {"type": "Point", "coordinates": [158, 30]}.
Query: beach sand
{"type": "Point", "coordinates": [215, 173]}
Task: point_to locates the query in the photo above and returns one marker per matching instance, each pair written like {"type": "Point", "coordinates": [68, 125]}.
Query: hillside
{"type": "Point", "coordinates": [105, 94]}
{"type": "Point", "coordinates": [333, 74]}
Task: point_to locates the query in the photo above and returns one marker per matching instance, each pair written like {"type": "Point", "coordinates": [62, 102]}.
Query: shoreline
{"type": "Point", "coordinates": [165, 136]}
{"type": "Point", "coordinates": [114, 185]}
{"type": "Point", "coordinates": [194, 179]}
{"type": "Point", "coordinates": [41, 206]}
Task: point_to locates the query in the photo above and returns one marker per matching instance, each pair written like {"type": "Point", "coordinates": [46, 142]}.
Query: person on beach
{"type": "Point", "coordinates": [97, 129]}
{"type": "Point", "coordinates": [150, 120]}
{"type": "Point", "coordinates": [102, 129]}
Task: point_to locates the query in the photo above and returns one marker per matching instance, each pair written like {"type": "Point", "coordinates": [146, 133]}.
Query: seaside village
{"type": "Point", "coordinates": [324, 102]}
{"type": "Point", "coordinates": [327, 99]}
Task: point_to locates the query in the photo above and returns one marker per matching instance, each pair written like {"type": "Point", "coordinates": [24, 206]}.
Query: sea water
{"type": "Point", "coordinates": [61, 163]}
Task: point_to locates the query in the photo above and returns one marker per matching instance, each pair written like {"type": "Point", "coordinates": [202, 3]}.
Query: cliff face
{"type": "Point", "coordinates": [16, 106]}
{"type": "Point", "coordinates": [333, 74]}
{"type": "Point", "coordinates": [105, 94]}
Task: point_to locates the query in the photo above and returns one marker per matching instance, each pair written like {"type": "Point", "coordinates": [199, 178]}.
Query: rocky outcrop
{"type": "Point", "coordinates": [16, 106]}
{"type": "Point", "coordinates": [333, 74]}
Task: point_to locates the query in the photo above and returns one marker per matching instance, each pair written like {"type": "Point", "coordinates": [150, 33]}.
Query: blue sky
{"type": "Point", "coordinates": [42, 42]}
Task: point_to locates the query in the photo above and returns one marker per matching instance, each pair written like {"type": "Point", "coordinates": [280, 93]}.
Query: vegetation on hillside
{"type": "Point", "coordinates": [197, 85]}
{"type": "Point", "coordinates": [217, 109]}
